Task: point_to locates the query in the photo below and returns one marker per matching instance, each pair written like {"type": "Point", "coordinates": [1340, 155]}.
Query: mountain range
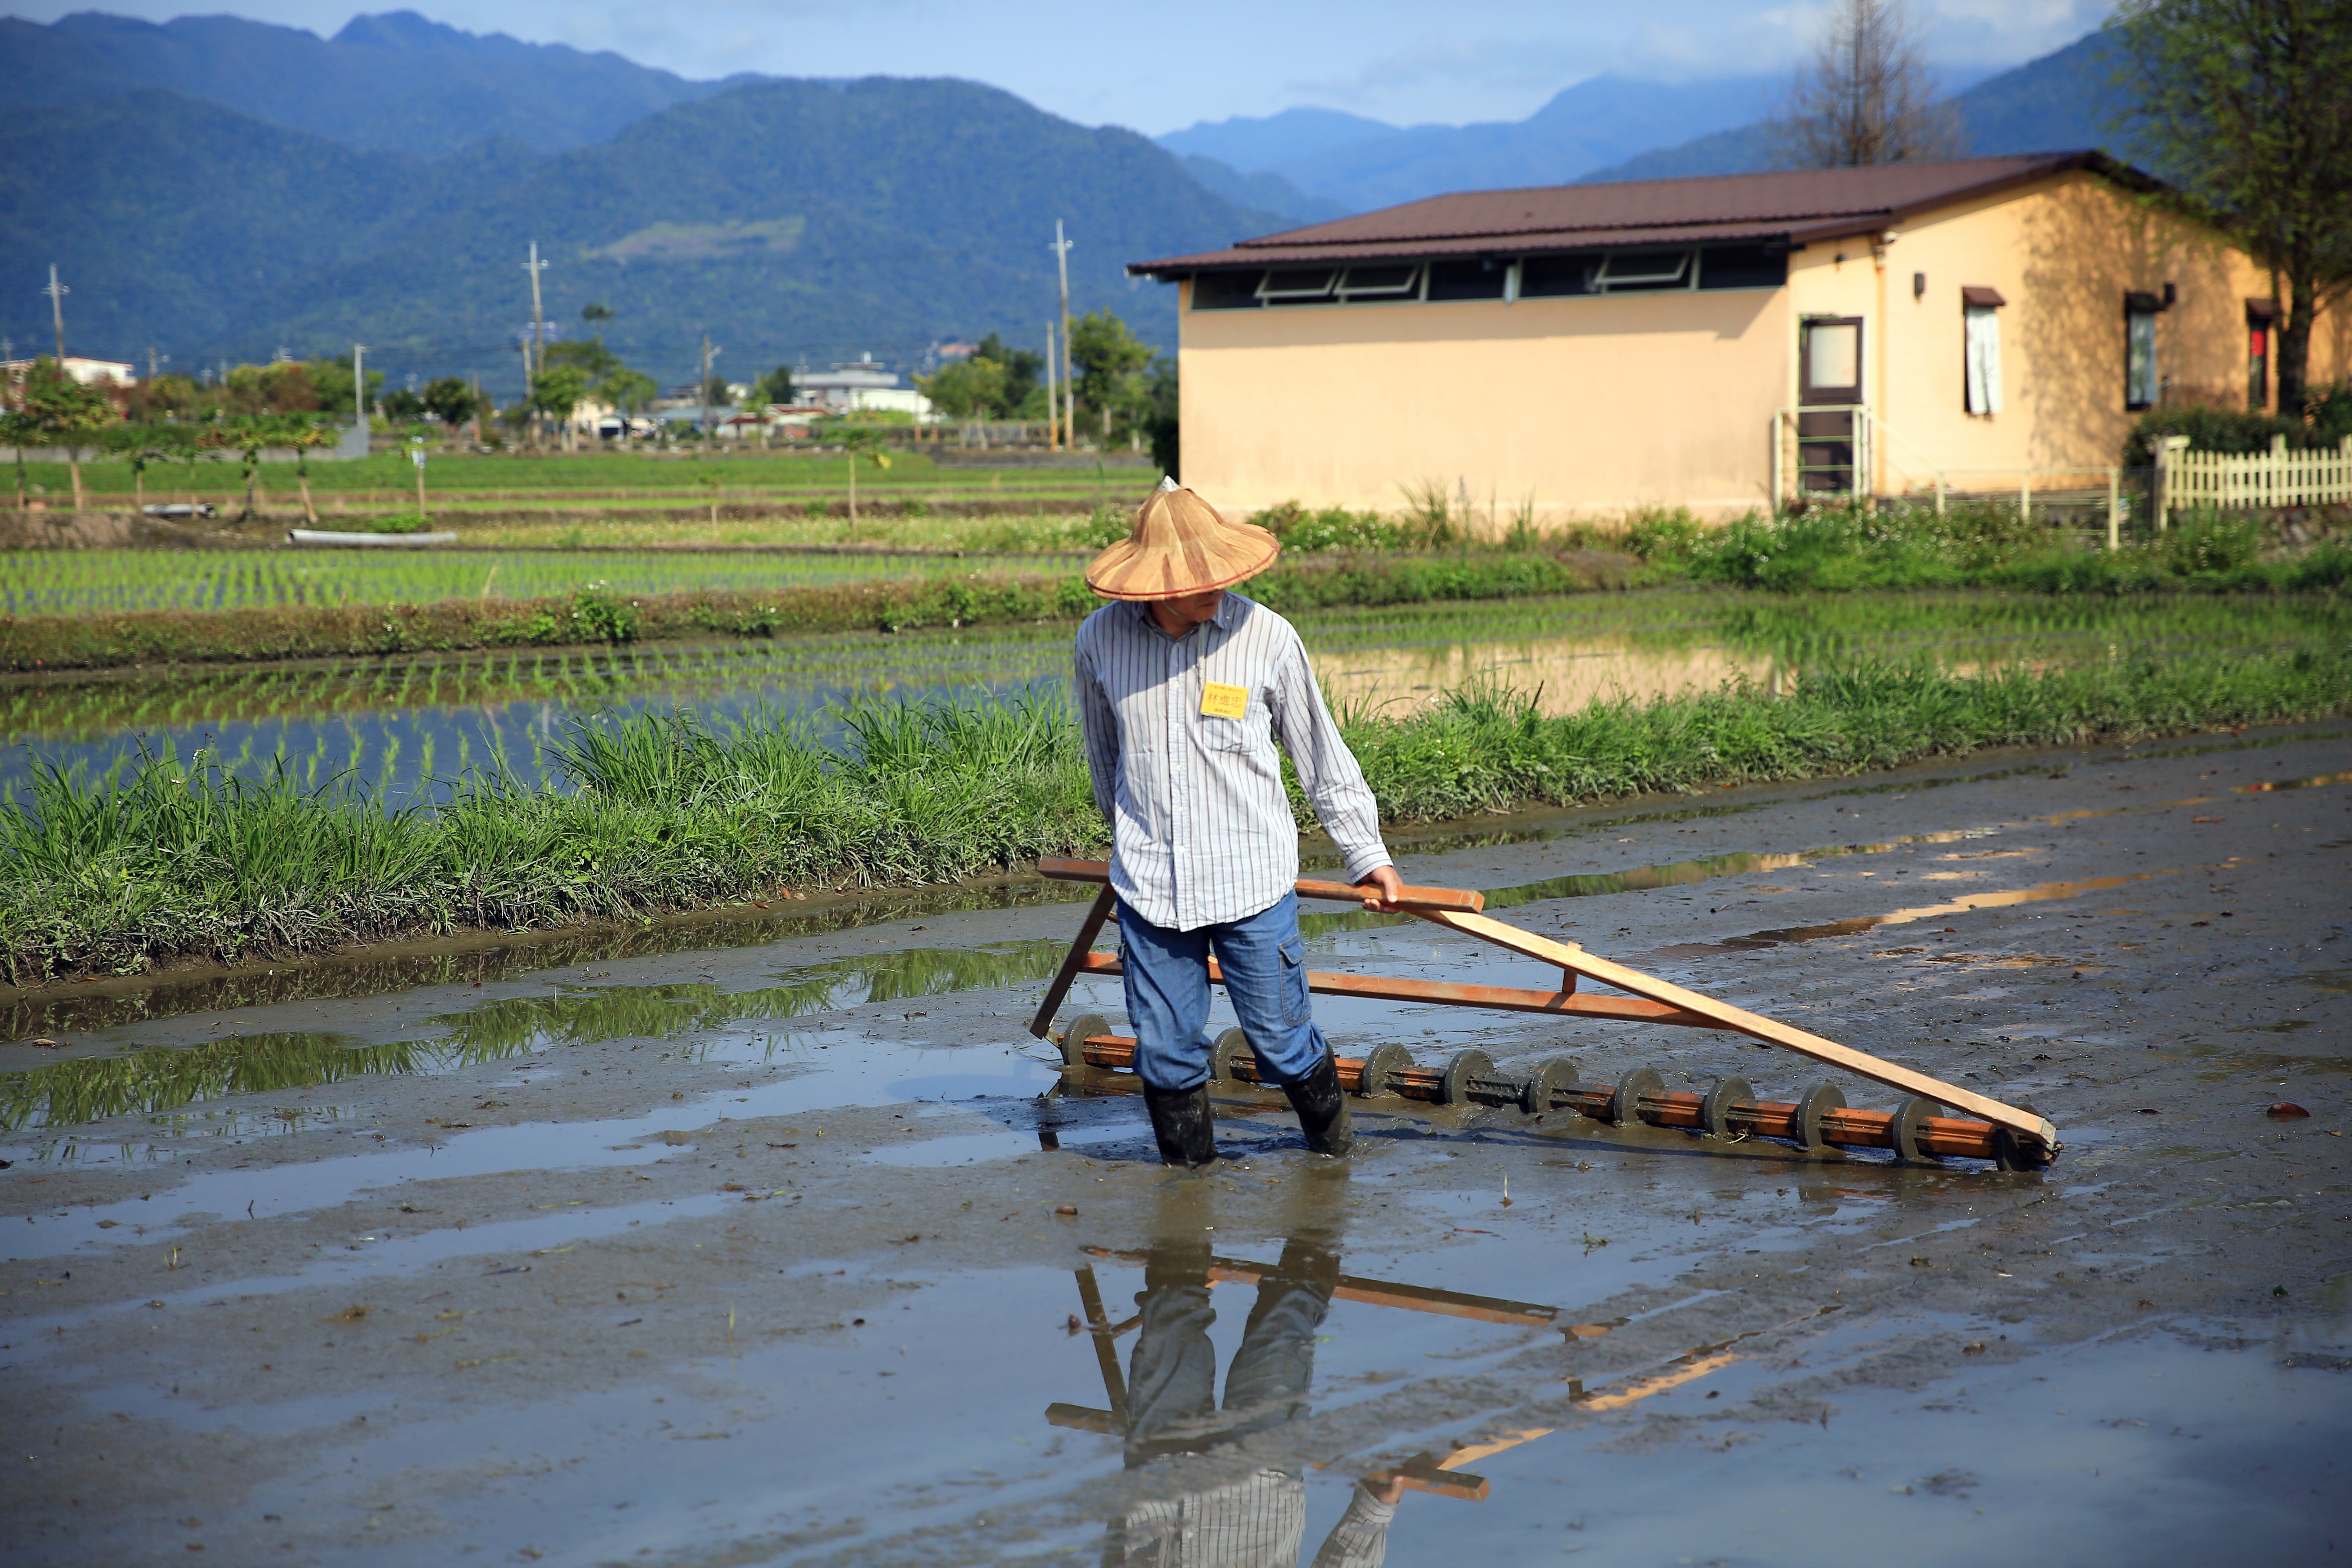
{"type": "Point", "coordinates": [222, 188]}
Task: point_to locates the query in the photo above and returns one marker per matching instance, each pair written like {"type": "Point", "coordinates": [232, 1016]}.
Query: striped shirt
{"type": "Point", "coordinates": [1181, 736]}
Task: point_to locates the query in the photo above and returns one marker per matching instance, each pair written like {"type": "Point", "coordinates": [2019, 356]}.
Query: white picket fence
{"type": "Point", "coordinates": [2187, 479]}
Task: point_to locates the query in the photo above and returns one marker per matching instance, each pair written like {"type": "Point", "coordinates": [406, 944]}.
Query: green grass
{"type": "Point", "coordinates": [1905, 544]}
{"type": "Point", "coordinates": [181, 860]}
{"type": "Point", "coordinates": [519, 474]}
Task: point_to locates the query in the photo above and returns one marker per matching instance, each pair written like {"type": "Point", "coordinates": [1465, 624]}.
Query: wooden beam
{"type": "Point", "coordinates": [1727, 1016]}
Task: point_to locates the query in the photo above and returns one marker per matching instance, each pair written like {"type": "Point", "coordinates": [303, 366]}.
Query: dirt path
{"type": "Point", "coordinates": [760, 1254]}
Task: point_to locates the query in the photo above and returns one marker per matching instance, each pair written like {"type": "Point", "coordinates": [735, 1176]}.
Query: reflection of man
{"type": "Point", "coordinates": [1259, 1520]}
{"type": "Point", "coordinates": [1184, 688]}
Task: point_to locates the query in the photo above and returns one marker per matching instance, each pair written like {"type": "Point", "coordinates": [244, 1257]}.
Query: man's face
{"type": "Point", "coordinates": [1181, 614]}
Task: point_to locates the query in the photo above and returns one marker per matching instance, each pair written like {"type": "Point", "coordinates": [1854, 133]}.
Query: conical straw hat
{"type": "Point", "coordinates": [1180, 545]}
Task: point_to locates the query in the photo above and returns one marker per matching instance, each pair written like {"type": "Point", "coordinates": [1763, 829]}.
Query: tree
{"type": "Point", "coordinates": [557, 392]}
{"type": "Point", "coordinates": [401, 406]}
{"type": "Point", "coordinates": [304, 436]}
{"type": "Point", "coordinates": [61, 412]}
{"type": "Point", "coordinates": [331, 379]}
{"type": "Point", "coordinates": [774, 387]}
{"type": "Point", "coordinates": [1109, 361]}
{"type": "Point", "coordinates": [719, 393]}
{"type": "Point", "coordinates": [1025, 371]}
{"type": "Point", "coordinates": [141, 445]}
{"type": "Point", "coordinates": [451, 400]}
{"type": "Point", "coordinates": [589, 356]}
{"type": "Point", "coordinates": [1160, 426]}
{"type": "Point", "coordinates": [1867, 96]}
{"type": "Point", "coordinates": [596, 314]}
{"type": "Point", "coordinates": [968, 389]}
{"type": "Point", "coordinates": [2246, 106]}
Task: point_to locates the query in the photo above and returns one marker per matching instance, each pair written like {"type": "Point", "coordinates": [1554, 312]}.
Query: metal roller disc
{"type": "Point", "coordinates": [1905, 1126]}
{"type": "Point", "coordinates": [1083, 1028]}
{"type": "Point", "coordinates": [1461, 1070]}
{"type": "Point", "coordinates": [1625, 1104]}
{"type": "Point", "coordinates": [2011, 1152]}
{"type": "Point", "coordinates": [1232, 1043]}
{"type": "Point", "coordinates": [1821, 1098]}
{"type": "Point", "coordinates": [1548, 1081]}
{"type": "Point", "coordinates": [1714, 1115]}
{"type": "Point", "coordinates": [1385, 1059]}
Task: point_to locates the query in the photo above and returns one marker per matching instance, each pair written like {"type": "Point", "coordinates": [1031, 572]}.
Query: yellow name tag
{"type": "Point", "coordinates": [1218, 701]}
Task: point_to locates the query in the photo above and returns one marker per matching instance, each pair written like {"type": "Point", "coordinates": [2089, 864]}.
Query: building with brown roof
{"type": "Point", "coordinates": [1710, 342]}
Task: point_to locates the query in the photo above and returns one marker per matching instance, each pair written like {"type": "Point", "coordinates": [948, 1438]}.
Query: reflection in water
{"type": "Point", "coordinates": [582, 1015]}
{"type": "Point", "coordinates": [161, 1078]}
{"type": "Point", "coordinates": [1258, 1519]}
{"type": "Point", "coordinates": [1216, 1486]}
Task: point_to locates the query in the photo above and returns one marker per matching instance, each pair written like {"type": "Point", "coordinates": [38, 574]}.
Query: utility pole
{"type": "Point", "coordinates": [534, 360]}
{"type": "Point", "coordinates": [709, 353]}
{"type": "Point", "coordinates": [1069, 394]}
{"type": "Point", "coordinates": [359, 384]}
{"type": "Point", "coordinates": [1053, 396]}
{"type": "Point", "coordinates": [56, 292]}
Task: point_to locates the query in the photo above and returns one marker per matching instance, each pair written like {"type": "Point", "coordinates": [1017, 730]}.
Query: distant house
{"type": "Point", "coordinates": [859, 386]}
{"type": "Point", "coordinates": [1706, 342]}
{"type": "Point", "coordinates": [89, 371]}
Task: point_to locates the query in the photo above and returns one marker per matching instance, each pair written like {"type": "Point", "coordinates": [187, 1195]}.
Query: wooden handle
{"type": "Point", "coordinates": [1460, 901]}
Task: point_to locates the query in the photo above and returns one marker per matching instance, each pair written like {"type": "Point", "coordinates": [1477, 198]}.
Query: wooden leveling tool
{"type": "Point", "coordinates": [1921, 1128]}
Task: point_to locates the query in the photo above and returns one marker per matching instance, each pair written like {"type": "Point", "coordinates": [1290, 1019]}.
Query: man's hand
{"type": "Point", "coordinates": [1383, 889]}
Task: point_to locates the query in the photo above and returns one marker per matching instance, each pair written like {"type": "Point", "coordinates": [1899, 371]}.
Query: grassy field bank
{"type": "Point", "coordinates": [595, 612]}
{"type": "Point", "coordinates": [181, 861]}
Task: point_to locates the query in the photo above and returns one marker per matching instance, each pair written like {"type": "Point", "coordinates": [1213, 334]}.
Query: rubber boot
{"type": "Point", "coordinates": [1322, 1108]}
{"type": "Point", "coordinates": [1180, 1123]}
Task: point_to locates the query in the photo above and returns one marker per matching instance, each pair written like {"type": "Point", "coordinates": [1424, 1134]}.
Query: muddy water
{"type": "Point", "coordinates": [758, 1253]}
{"type": "Point", "coordinates": [404, 724]}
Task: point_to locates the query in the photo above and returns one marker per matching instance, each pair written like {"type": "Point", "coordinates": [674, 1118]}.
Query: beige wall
{"type": "Point", "coordinates": [1594, 406]}
{"type": "Point", "coordinates": [1587, 406]}
{"type": "Point", "coordinates": [2062, 254]}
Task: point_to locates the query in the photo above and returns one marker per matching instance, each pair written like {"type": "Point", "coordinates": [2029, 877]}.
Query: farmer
{"type": "Point", "coordinates": [1183, 689]}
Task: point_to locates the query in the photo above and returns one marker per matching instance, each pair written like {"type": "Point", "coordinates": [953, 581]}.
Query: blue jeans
{"type": "Point", "coordinates": [1166, 976]}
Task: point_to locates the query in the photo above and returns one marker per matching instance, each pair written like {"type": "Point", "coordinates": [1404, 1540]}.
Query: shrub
{"type": "Point", "coordinates": [1655, 535]}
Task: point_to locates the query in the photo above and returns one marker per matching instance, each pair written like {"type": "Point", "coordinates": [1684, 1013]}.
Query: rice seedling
{"type": "Point", "coordinates": [104, 582]}
{"type": "Point", "coordinates": [661, 810]}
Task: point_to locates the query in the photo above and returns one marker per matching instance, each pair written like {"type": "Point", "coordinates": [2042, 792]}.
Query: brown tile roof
{"type": "Point", "coordinates": [1797, 205]}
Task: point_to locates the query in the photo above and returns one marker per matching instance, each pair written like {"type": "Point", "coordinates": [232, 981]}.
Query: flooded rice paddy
{"type": "Point", "coordinates": [407, 726]}
{"type": "Point", "coordinates": [796, 1248]}
{"type": "Point", "coordinates": [102, 582]}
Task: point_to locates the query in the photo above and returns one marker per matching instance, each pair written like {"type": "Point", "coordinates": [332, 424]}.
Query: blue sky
{"type": "Point", "coordinates": [1158, 68]}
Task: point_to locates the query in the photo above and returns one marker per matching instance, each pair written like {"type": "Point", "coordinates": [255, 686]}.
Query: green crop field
{"type": "Point", "coordinates": [499, 477]}
{"type": "Point", "coordinates": [100, 582]}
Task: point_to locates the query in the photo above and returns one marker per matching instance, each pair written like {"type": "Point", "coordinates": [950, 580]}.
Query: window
{"type": "Point", "coordinates": [1551, 277]}
{"type": "Point", "coordinates": [1651, 270]}
{"type": "Point", "coordinates": [1743, 266]}
{"type": "Point", "coordinates": [1385, 281]}
{"type": "Point", "coordinates": [1481, 280]}
{"type": "Point", "coordinates": [1981, 339]}
{"type": "Point", "coordinates": [1298, 285]}
{"type": "Point", "coordinates": [1625, 270]}
{"type": "Point", "coordinates": [1225, 291]}
{"type": "Point", "coordinates": [2141, 385]}
{"type": "Point", "coordinates": [1834, 360]}
{"type": "Point", "coordinates": [2261, 319]}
